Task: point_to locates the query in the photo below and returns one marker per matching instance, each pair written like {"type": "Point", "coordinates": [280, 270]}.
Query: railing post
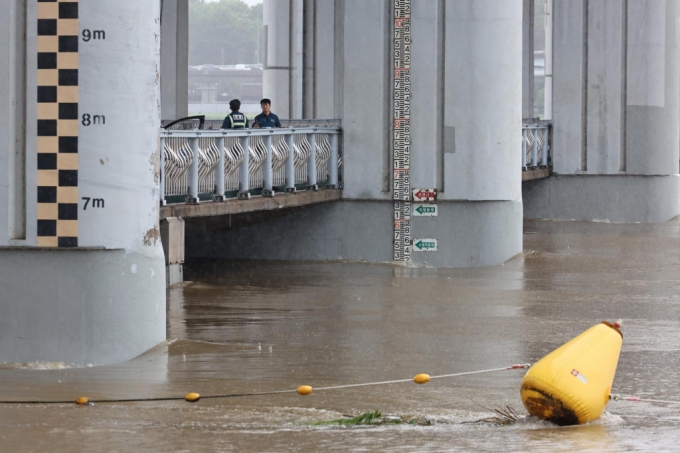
{"type": "Point", "coordinates": [311, 163]}
{"type": "Point", "coordinates": [192, 177]}
{"type": "Point", "coordinates": [290, 164]}
{"type": "Point", "coordinates": [218, 195]}
{"type": "Point", "coordinates": [267, 173]}
{"type": "Point", "coordinates": [162, 172]}
{"type": "Point", "coordinates": [333, 164]}
{"type": "Point", "coordinates": [524, 148]}
{"type": "Point", "coordinates": [244, 171]}
{"type": "Point", "coordinates": [544, 151]}
{"type": "Point", "coordinates": [534, 149]}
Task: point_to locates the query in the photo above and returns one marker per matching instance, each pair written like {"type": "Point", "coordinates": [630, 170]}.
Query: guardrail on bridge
{"type": "Point", "coordinates": [536, 145]}
{"type": "Point", "coordinates": [217, 164]}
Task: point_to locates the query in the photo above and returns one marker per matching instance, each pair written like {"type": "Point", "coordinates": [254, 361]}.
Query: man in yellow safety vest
{"type": "Point", "coordinates": [236, 119]}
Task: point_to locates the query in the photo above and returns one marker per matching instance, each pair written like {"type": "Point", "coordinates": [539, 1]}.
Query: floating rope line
{"type": "Point", "coordinates": [512, 367]}
{"type": "Point", "coordinates": [86, 401]}
{"type": "Point", "coordinates": [636, 399]}
{"type": "Point", "coordinates": [302, 390]}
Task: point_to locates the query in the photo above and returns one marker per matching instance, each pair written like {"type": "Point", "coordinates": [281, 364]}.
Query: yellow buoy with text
{"type": "Point", "coordinates": [572, 384]}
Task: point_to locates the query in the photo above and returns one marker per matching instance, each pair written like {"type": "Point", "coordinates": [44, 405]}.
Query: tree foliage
{"type": "Point", "coordinates": [224, 32]}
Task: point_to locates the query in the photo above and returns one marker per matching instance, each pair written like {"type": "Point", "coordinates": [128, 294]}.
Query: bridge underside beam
{"type": "Point", "coordinates": [540, 173]}
{"type": "Point", "coordinates": [251, 205]}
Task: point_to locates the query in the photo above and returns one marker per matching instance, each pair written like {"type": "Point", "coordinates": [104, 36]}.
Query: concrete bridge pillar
{"type": "Point", "coordinates": [81, 262]}
{"type": "Point", "coordinates": [208, 92]}
{"type": "Point", "coordinates": [616, 113]}
{"type": "Point", "coordinates": [301, 57]}
{"type": "Point", "coordinates": [283, 62]}
{"type": "Point", "coordinates": [528, 58]}
{"type": "Point", "coordinates": [174, 67]}
{"type": "Point", "coordinates": [465, 136]}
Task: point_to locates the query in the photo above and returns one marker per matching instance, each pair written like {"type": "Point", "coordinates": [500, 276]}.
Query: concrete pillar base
{"type": "Point", "coordinates": [468, 234]}
{"type": "Point", "coordinates": [610, 198]}
{"type": "Point", "coordinates": [174, 273]}
{"type": "Point", "coordinates": [172, 237]}
{"type": "Point", "coordinates": [80, 306]}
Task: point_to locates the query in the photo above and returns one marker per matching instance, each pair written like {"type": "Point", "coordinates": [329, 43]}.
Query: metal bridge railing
{"type": "Point", "coordinates": [217, 124]}
{"type": "Point", "coordinates": [536, 145]}
{"type": "Point", "coordinates": [226, 163]}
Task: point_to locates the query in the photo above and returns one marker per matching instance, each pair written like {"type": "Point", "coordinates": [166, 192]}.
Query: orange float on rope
{"type": "Point", "coordinates": [192, 397]}
{"type": "Point", "coordinates": [83, 401]}
{"type": "Point", "coordinates": [572, 384]}
{"type": "Point", "coordinates": [421, 378]}
{"type": "Point", "coordinates": [304, 390]}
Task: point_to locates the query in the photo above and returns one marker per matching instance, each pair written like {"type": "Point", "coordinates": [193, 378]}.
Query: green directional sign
{"type": "Point", "coordinates": [425, 245]}
{"type": "Point", "coordinates": [425, 210]}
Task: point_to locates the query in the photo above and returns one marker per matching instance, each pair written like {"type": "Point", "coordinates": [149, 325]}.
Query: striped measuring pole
{"type": "Point", "coordinates": [401, 142]}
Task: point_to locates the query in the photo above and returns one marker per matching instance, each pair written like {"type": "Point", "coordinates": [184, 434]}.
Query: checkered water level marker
{"type": "Point", "coordinates": [402, 130]}
{"type": "Point", "coordinates": [57, 123]}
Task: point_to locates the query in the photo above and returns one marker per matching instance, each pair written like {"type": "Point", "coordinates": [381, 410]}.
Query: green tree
{"type": "Point", "coordinates": [224, 32]}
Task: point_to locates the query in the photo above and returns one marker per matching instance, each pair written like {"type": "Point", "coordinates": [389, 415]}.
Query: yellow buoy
{"type": "Point", "coordinates": [421, 378]}
{"type": "Point", "coordinates": [192, 397]}
{"type": "Point", "coordinates": [571, 385]}
{"type": "Point", "coordinates": [304, 390]}
{"type": "Point", "coordinates": [83, 401]}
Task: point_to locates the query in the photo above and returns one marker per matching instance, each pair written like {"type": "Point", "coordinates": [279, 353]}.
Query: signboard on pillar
{"type": "Point", "coordinates": [425, 210]}
{"type": "Point", "coordinates": [424, 195]}
{"type": "Point", "coordinates": [425, 245]}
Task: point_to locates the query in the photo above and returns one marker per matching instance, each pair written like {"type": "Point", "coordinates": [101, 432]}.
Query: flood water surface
{"type": "Point", "coordinates": [249, 327]}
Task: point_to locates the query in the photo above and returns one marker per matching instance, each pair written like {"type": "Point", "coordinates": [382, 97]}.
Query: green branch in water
{"type": "Point", "coordinates": [367, 418]}
{"type": "Point", "coordinates": [371, 418]}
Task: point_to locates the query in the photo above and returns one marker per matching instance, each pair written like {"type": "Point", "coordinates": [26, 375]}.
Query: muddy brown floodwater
{"type": "Point", "coordinates": [341, 323]}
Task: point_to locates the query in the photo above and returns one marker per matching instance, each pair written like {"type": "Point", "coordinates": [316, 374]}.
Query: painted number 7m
{"type": "Point", "coordinates": [96, 203]}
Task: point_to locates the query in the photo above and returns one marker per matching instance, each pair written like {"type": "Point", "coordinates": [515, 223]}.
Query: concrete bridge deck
{"type": "Point", "coordinates": [234, 206]}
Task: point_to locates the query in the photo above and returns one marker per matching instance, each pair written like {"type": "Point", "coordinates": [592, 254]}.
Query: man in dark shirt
{"type": "Point", "coordinates": [236, 119]}
{"type": "Point", "coordinates": [266, 118]}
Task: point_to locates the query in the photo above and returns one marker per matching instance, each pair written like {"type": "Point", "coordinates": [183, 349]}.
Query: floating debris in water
{"type": "Point", "coordinates": [504, 416]}
{"type": "Point", "coordinates": [35, 366]}
{"type": "Point", "coordinates": [374, 418]}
